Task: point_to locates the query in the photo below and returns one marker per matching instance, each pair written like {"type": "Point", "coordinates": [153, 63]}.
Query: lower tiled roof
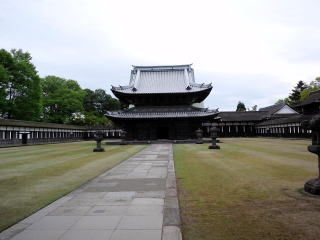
{"type": "Point", "coordinates": [22, 123]}
{"type": "Point", "coordinates": [235, 116]}
{"type": "Point", "coordinates": [293, 119]}
{"type": "Point", "coordinates": [155, 112]}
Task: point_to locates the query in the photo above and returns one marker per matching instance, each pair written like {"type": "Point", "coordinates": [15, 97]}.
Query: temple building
{"type": "Point", "coordinates": [162, 103]}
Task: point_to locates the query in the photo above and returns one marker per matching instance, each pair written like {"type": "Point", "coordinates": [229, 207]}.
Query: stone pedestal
{"type": "Point", "coordinates": [123, 137]}
{"type": "Point", "coordinates": [98, 137]}
{"type": "Point", "coordinates": [214, 133]}
{"type": "Point", "coordinates": [199, 135]}
{"type": "Point", "coordinates": [313, 185]}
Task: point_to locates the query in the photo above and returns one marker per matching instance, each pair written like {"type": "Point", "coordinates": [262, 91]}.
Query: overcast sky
{"type": "Point", "coordinates": [251, 50]}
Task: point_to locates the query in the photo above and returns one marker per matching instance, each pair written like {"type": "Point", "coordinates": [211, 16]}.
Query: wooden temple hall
{"type": "Point", "coordinates": [162, 103]}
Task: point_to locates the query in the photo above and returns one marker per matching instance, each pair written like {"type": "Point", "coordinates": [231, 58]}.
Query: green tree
{"type": "Point", "coordinates": [313, 86]}
{"type": "Point", "coordinates": [294, 97]}
{"type": "Point", "coordinates": [62, 100]}
{"type": "Point", "coordinates": [20, 90]}
{"type": "Point", "coordinates": [254, 108]}
{"type": "Point", "coordinates": [241, 107]}
{"type": "Point", "coordinates": [284, 100]}
{"type": "Point", "coordinates": [96, 104]}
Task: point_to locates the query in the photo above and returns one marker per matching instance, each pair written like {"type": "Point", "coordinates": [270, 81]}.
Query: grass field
{"type": "Point", "coordinates": [247, 190]}
{"type": "Point", "coordinates": [33, 176]}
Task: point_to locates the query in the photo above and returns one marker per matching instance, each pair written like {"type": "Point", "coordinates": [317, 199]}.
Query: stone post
{"type": "Point", "coordinates": [123, 137]}
{"type": "Point", "coordinates": [214, 134]}
{"type": "Point", "coordinates": [199, 135]}
{"type": "Point", "coordinates": [313, 185]}
{"type": "Point", "coordinates": [98, 137]}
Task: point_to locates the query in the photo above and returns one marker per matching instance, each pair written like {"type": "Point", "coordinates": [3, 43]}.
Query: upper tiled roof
{"type": "Point", "coordinates": [162, 112]}
{"type": "Point", "coordinates": [277, 110]}
{"type": "Point", "coordinates": [162, 79]}
{"type": "Point", "coordinates": [273, 108]}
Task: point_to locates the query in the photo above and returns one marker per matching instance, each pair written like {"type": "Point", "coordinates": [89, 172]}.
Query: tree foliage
{"type": "Point", "coordinates": [25, 96]}
{"type": "Point", "coordinates": [284, 100]}
{"type": "Point", "coordinates": [62, 100]}
{"type": "Point", "coordinates": [20, 89]}
{"type": "Point", "coordinates": [313, 86]}
{"type": "Point", "coordinates": [294, 97]}
{"type": "Point", "coordinates": [301, 91]}
{"type": "Point", "coordinates": [96, 104]}
{"type": "Point", "coordinates": [254, 108]}
{"type": "Point", "coordinates": [241, 107]}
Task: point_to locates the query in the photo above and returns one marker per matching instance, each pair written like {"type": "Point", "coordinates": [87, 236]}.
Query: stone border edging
{"type": "Point", "coordinates": [171, 213]}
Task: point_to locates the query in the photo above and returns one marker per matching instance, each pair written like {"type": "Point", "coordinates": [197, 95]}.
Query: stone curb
{"type": "Point", "coordinates": [171, 212]}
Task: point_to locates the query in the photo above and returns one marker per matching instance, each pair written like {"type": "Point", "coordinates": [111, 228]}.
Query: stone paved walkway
{"type": "Point", "coordinates": [136, 200]}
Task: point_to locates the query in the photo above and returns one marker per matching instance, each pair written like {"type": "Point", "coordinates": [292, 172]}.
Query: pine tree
{"type": "Point", "coordinates": [241, 107]}
{"type": "Point", "coordinates": [294, 97]}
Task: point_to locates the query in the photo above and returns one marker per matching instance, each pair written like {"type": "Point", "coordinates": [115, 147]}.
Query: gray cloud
{"type": "Point", "coordinates": [256, 57]}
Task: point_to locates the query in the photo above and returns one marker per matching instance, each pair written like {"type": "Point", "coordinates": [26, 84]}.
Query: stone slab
{"type": "Point", "coordinates": [87, 235]}
{"type": "Point", "coordinates": [136, 235]}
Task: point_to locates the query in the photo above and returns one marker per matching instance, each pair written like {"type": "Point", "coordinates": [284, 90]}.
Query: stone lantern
{"type": "Point", "coordinates": [199, 135]}
{"type": "Point", "coordinates": [214, 134]}
{"type": "Point", "coordinates": [313, 185]}
{"type": "Point", "coordinates": [123, 137]}
{"type": "Point", "coordinates": [98, 137]}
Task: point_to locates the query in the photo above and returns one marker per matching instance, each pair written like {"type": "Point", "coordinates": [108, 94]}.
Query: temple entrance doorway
{"type": "Point", "coordinates": [163, 132]}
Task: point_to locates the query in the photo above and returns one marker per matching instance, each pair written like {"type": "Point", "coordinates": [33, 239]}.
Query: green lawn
{"type": "Point", "coordinates": [33, 176]}
{"type": "Point", "coordinates": [247, 190]}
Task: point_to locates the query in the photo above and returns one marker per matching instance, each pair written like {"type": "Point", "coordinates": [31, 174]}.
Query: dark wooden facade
{"type": "Point", "coordinates": [163, 98]}
{"type": "Point", "coordinates": [17, 132]}
{"type": "Point", "coordinates": [278, 120]}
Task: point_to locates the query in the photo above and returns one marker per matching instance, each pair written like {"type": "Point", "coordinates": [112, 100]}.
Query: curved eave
{"type": "Point", "coordinates": [115, 91]}
{"type": "Point", "coordinates": [126, 97]}
{"type": "Point", "coordinates": [121, 117]}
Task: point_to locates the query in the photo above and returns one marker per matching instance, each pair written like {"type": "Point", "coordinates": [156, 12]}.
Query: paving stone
{"type": "Point", "coordinates": [171, 233]}
{"type": "Point", "coordinates": [107, 210]}
{"type": "Point", "coordinates": [70, 211]}
{"type": "Point", "coordinates": [81, 202]}
{"type": "Point", "coordinates": [141, 222]}
{"type": "Point", "coordinates": [114, 202]}
{"type": "Point", "coordinates": [44, 211]}
{"type": "Point", "coordinates": [171, 203]}
{"type": "Point", "coordinates": [150, 194]}
{"type": "Point", "coordinates": [39, 235]}
{"type": "Point", "coordinates": [14, 230]}
{"type": "Point", "coordinates": [132, 185]}
{"type": "Point", "coordinates": [144, 210]}
{"type": "Point", "coordinates": [97, 222]}
{"type": "Point", "coordinates": [171, 192]}
{"type": "Point", "coordinates": [136, 235]}
{"type": "Point", "coordinates": [148, 201]}
{"type": "Point", "coordinates": [120, 195]}
{"type": "Point", "coordinates": [87, 235]}
{"type": "Point", "coordinates": [89, 195]}
{"type": "Point", "coordinates": [54, 223]}
{"type": "Point", "coordinates": [171, 217]}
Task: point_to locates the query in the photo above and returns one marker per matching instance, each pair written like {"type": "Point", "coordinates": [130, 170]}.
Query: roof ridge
{"type": "Point", "coordinates": [162, 66]}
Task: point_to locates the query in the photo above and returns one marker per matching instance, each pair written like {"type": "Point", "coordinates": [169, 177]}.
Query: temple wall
{"type": "Point", "coordinates": [16, 133]}
{"type": "Point", "coordinates": [247, 129]}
